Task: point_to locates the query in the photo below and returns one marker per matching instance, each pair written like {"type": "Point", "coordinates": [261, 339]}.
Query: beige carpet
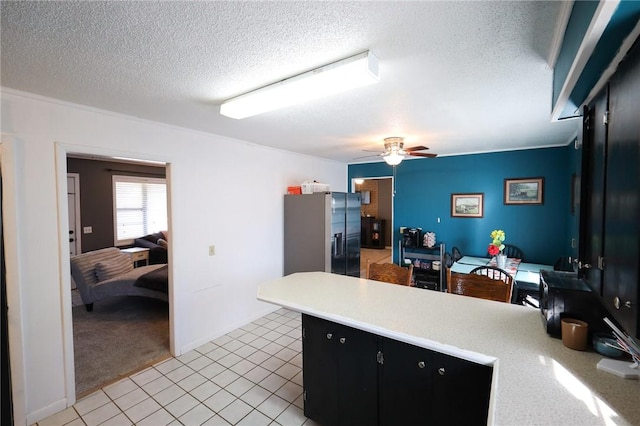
{"type": "Point", "coordinates": [373, 256]}
{"type": "Point", "coordinates": [122, 335]}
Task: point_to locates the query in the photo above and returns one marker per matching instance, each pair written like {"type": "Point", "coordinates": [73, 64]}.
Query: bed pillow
{"type": "Point", "coordinates": [113, 267]}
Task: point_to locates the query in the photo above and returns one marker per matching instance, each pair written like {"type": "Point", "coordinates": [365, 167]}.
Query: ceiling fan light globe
{"type": "Point", "coordinates": [393, 159]}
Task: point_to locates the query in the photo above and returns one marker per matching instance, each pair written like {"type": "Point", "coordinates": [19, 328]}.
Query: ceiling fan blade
{"type": "Point", "coordinates": [420, 154]}
{"type": "Point", "coordinates": [416, 148]}
{"type": "Point", "coordinates": [366, 156]}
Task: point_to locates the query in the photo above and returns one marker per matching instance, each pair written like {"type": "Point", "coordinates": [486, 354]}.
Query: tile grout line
{"type": "Point", "coordinates": [280, 319]}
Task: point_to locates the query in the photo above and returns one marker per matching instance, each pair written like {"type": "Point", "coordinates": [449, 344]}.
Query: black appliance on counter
{"type": "Point", "coordinates": [411, 237]}
{"type": "Point", "coordinates": [564, 295]}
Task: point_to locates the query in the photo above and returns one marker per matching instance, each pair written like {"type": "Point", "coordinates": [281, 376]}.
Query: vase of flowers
{"type": "Point", "coordinates": [496, 246]}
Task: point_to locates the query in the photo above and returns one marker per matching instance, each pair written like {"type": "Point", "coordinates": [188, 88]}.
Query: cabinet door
{"type": "Point", "coordinates": [365, 235]}
{"type": "Point", "coordinates": [592, 192]}
{"type": "Point", "coordinates": [320, 370]}
{"type": "Point", "coordinates": [357, 377]}
{"type": "Point", "coordinates": [461, 391]}
{"type": "Point", "coordinates": [339, 373]}
{"type": "Point", "coordinates": [622, 227]}
{"type": "Point", "coordinates": [406, 384]}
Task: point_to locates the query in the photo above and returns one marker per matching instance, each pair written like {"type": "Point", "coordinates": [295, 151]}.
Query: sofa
{"type": "Point", "coordinates": [157, 245]}
{"type": "Point", "coordinates": [109, 272]}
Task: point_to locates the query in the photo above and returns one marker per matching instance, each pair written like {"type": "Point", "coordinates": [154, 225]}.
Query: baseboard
{"type": "Point", "coordinates": [49, 410]}
{"type": "Point", "coordinates": [233, 326]}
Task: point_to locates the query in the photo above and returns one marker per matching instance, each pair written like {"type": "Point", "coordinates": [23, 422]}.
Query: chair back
{"type": "Point", "coordinates": [455, 254]}
{"type": "Point", "coordinates": [513, 251]}
{"type": "Point", "coordinates": [448, 261]}
{"type": "Point", "coordinates": [493, 272]}
{"type": "Point", "coordinates": [479, 286]}
{"type": "Point", "coordinates": [390, 273]}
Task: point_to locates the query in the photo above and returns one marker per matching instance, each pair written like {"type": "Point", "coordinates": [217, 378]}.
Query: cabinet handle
{"type": "Point", "coordinates": [421, 364]}
{"type": "Point", "coordinates": [617, 303]}
{"type": "Point", "coordinates": [342, 340]}
{"type": "Point", "coordinates": [441, 371]}
{"type": "Point", "coordinates": [329, 336]}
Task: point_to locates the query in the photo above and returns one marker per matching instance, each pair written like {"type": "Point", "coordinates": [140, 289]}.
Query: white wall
{"type": "Point", "coordinates": [223, 192]}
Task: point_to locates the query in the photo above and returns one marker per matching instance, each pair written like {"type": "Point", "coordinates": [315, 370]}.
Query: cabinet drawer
{"type": "Point", "coordinates": [141, 255]}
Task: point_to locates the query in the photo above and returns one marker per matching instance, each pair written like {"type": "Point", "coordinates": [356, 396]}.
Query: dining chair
{"type": "Point", "coordinates": [496, 273]}
{"type": "Point", "coordinates": [390, 273]}
{"type": "Point", "coordinates": [455, 254]}
{"type": "Point", "coordinates": [479, 286]}
{"type": "Point", "coordinates": [513, 251]}
{"type": "Point", "coordinates": [448, 260]}
{"type": "Point", "coordinates": [492, 272]}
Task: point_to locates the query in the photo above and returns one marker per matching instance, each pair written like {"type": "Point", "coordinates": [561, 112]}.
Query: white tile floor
{"type": "Point", "coordinates": [250, 376]}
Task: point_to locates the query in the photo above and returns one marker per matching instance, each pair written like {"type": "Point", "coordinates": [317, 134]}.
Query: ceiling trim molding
{"type": "Point", "coordinates": [599, 22]}
{"type": "Point", "coordinates": [613, 66]}
{"type": "Point", "coordinates": [559, 32]}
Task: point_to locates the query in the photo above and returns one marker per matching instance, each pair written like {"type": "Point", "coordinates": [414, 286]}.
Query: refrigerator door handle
{"type": "Point", "coordinates": [338, 244]}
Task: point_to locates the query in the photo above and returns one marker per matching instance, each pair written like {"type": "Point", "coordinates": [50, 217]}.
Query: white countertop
{"type": "Point", "coordinates": [537, 381]}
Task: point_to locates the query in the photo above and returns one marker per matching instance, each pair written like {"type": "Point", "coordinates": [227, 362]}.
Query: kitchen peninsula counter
{"type": "Point", "coordinates": [536, 380]}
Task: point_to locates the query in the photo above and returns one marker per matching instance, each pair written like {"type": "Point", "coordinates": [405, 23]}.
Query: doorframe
{"type": "Point", "coordinates": [393, 196]}
{"type": "Point", "coordinates": [9, 153]}
{"type": "Point", "coordinates": [62, 151]}
{"type": "Point", "coordinates": [76, 191]}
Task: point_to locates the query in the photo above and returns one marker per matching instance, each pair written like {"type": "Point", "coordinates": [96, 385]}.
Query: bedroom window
{"type": "Point", "coordinates": [140, 207]}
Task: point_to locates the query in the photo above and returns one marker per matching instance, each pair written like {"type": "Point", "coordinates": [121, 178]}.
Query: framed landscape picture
{"type": "Point", "coordinates": [524, 191]}
{"type": "Point", "coordinates": [467, 205]}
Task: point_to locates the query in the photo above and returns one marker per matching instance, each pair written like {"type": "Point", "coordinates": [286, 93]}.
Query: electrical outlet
{"type": "Point", "coordinates": [438, 220]}
{"type": "Point", "coordinates": [212, 250]}
{"type": "Point", "coordinates": [573, 243]}
{"type": "Point", "coordinates": [87, 230]}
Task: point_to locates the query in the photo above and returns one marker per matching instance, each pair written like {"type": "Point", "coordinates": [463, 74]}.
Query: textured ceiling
{"type": "Point", "coordinates": [458, 77]}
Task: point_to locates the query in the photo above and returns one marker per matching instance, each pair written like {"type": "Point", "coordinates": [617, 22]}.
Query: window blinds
{"type": "Point", "coordinates": [140, 207]}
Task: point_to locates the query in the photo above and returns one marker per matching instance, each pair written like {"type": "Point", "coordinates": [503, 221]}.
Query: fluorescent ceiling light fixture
{"type": "Point", "coordinates": [349, 73]}
{"type": "Point", "coordinates": [393, 158]}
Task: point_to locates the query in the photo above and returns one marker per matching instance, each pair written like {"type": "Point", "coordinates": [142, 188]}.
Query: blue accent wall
{"type": "Point", "coordinates": [424, 188]}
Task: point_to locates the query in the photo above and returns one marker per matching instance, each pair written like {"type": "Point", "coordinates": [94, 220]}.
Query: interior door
{"type": "Point", "coordinates": [73, 201]}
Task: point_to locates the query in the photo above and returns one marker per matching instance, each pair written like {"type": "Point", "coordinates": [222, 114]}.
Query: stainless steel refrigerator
{"type": "Point", "coordinates": [322, 233]}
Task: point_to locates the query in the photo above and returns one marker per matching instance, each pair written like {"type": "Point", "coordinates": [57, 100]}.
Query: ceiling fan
{"type": "Point", "coordinates": [394, 151]}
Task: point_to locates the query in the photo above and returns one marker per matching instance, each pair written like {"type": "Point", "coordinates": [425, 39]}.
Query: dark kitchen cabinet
{"type": "Point", "coordinates": [462, 391]}
{"type": "Point", "coordinates": [609, 226]}
{"type": "Point", "coordinates": [355, 377]}
{"type": "Point", "coordinates": [421, 386]}
{"type": "Point", "coordinates": [339, 364]}
{"type": "Point", "coordinates": [372, 233]}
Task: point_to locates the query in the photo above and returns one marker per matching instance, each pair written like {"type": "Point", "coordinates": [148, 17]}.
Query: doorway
{"type": "Point", "coordinates": [5, 372]}
{"type": "Point", "coordinates": [122, 334]}
{"type": "Point", "coordinates": [126, 303]}
{"type": "Point", "coordinates": [377, 219]}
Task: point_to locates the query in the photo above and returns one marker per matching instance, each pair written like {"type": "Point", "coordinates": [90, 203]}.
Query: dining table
{"type": "Point", "coordinates": [526, 276]}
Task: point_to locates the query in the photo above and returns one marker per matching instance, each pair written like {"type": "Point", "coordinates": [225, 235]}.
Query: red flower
{"type": "Point", "coordinates": [493, 250]}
